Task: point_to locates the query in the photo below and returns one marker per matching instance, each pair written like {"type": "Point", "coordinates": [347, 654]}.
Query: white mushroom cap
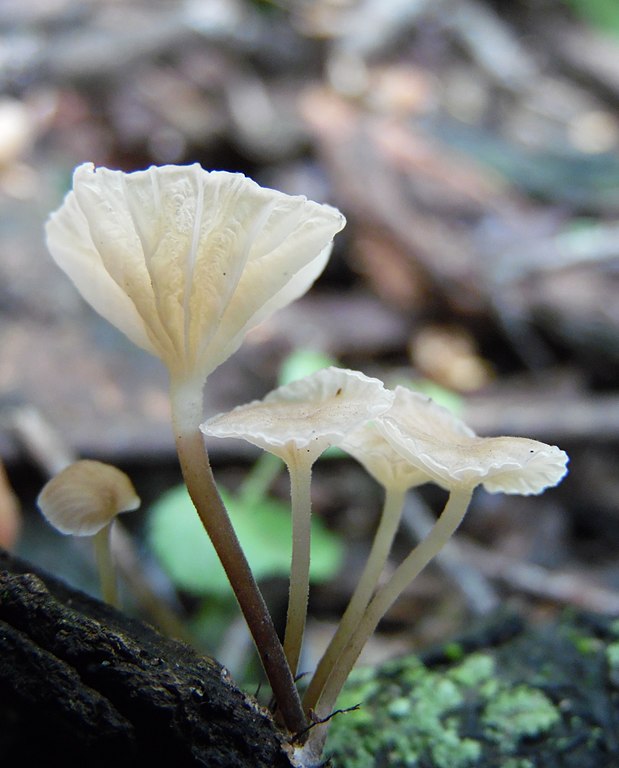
{"type": "Point", "coordinates": [185, 261]}
{"type": "Point", "coordinates": [440, 444]}
{"type": "Point", "coordinates": [376, 454]}
{"type": "Point", "coordinates": [307, 415]}
{"type": "Point", "coordinates": [86, 496]}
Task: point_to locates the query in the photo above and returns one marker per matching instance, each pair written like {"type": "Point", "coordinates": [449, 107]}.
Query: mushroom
{"type": "Point", "coordinates": [184, 262]}
{"type": "Point", "coordinates": [10, 513]}
{"type": "Point", "coordinates": [84, 499]}
{"type": "Point", "coordinates": [297, 422]}
{"type": "Point", "coordinates": [396, 474]}
{"type": "Point", "coordinates": [450, 454]}
{"type": "Point", "coordinates": [441, 445]}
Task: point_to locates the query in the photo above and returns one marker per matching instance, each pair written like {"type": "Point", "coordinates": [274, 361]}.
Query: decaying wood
{"type": "Point", "coordinates": [80, 681]}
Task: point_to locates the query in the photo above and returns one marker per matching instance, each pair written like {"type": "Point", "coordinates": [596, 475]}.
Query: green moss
{"type": "Point", "coordinates": [478, 668]}
{"type": "Point", "coordinates": [412, 716]}
{"type": "Point", "coordinates": [490, 708]}
{"type": "Point", "coordinates": [407, 671]}
{"type": "Point", "coordinates": [361, 686]}
{"type": "Point", "coordinates": [489, 688]}
{"type": "Point", "coordinates": [450, 751]}
{"type": "Point", "coordinates": [402, 723]}
{"type": "Point", "coordinates": [399, 708]}
{"type": "Point", "coordinates": [518, 713]}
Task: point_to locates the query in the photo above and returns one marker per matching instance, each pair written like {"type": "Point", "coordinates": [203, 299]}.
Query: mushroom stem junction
{"type": "Point", "coordinates": [387, 527]}
{"type": "Point", "coordinates": [443, 529]}
{"type": "Point", "coordinates": [186, 399]}
{"type": "Point", "coordinates": [105, 565]}
{"type": "Point", "coordinates": [300, 471]}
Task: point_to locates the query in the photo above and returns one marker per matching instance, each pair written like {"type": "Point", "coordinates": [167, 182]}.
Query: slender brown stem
{"type": "Point", "coordinates": [186, 400]}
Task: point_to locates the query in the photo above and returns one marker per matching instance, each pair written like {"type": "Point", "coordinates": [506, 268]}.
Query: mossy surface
{"type": "Point", "coordinates": [521, 698]}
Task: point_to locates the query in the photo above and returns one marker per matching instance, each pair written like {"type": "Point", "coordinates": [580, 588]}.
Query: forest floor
{"type": "Point", "coordinates": [475, 153]}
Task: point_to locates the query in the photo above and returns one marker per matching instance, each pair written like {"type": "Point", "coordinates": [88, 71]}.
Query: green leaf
{"type": "Point", "coordinates": [603, 14]}
{"type": "Point", "coordinates": [303, 362]}
{"type": "Point", "coordinates": [177, 538]}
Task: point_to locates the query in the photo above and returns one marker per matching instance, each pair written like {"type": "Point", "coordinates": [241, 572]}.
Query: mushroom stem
{"type": "Point", "coordinates": [186, 399]}
{"type": "Point", "coordinates": [256, 484]}
{"type": "Point", "coordinates": [105, 565]}
{"type": "Point", "coordinates": [390, 518]}
{"type": "Point", "coordinates": [443, 529]}
{"type": "Point", "coordinates": [300, 484]}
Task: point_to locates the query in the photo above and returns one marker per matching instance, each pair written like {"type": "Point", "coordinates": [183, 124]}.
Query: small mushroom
{"type": "Point", "coordinates": [84, 499]}
{"type": "Point", "coordinates": [297, 422]}
{"type": "Point", "coordinates": [396, 474]}
{"type": "Point", "coordinates": [448, 452]}
{"type": "Point", "coordinates": [10, 512]}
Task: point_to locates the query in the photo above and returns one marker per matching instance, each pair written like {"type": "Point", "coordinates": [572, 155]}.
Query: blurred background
{"type": "Point", "coordinates": [474, 148]}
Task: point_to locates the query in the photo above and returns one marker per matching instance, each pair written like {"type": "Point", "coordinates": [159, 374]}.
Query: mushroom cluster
{"type": "Point", "coordinates": [184, 262]}
{"type": "Point", "coordinates": [403, 439]}
{"type": "Point", "coordinates": [440, 448]}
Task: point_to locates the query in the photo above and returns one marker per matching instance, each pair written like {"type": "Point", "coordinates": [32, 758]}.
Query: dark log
{"type": "Point", "coordinates": [83, 684]}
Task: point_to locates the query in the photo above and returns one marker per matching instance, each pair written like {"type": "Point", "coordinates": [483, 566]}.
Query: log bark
{"type": "Point", "coordinates": [82, 683]}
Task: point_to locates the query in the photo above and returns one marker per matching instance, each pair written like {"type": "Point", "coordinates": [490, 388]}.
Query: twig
{"type": "Point", "coordinates": [298, 737]}
{"type": "Point", "coordinates": [559, 586]}
{"type": "Point", "coordinates": [470, 566]}
{"type": "Point", "coordinates": [491, 42]}
{"type": "Point", "coordinates": [593, 418]}
{"type": "Point", "coordinates": [40, 440]}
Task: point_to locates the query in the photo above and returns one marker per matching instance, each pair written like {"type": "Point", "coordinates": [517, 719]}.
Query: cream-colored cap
{"type": "Point", "coordinates": [440, 444]}
{"type": "Point", "coordinates": [308, 415]}
{"type": "Point", "coordinates": [86, 496]}
{"type": "Point", "coordinates": [376, 454]}
{"type": "Point", "coordinates": [185, 261]}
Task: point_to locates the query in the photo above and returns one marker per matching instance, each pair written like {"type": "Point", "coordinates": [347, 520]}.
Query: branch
{"type": "Point", "coordinates": [82, 681]}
